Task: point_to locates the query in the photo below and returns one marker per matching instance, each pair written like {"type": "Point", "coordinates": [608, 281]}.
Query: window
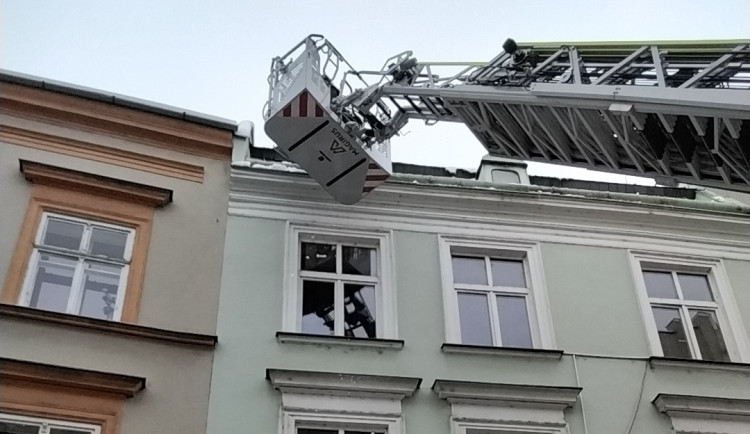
{"type": "Point", "coordinates": [500, 176]}
{"type": "Point", "coordinates": [36, 398]}
{"type": "Point", "coordinates": [79, 267]}
{"type": "Point", "coordinates": [685, 306]}
{"type": "Point", "coordinates": [497, 408]}
{"type": "Point", "coordinates": [494, 295]}
{"type": "Point", "coordinates": [13, 424]}
{"type": "Point", "coordinates": [334, 431]}
{"type": "Point", "coordinates": [340, 285]}
{"type": "Point", "coordinates": [692, 414]}
{"type": "Point", "coordinates": [83, 244]}
{"type": "Point", "coordinates": [338, 403]}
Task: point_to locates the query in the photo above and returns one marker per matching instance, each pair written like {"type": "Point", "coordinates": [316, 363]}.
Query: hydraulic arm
{"type": "Point", "coordinates": [676, 111]}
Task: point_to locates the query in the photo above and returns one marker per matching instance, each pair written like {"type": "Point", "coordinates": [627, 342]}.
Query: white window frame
{"type": "Point", "coordinates": [506, 408]}
{"type": "Point", "coordinates": [486, 428]}
{"type": "Point", "coordinates": [724, 304]}
{"type": "Point", "coordinates": [292, 420]}
{"type": "Point", "coordinates": [76, 294]}
{"type": "Point", "coordinates": [537, 300]}
{"type": "Point", "coordinates": [692, 414]}
{"type": "Point", "coordinates": [329, 400]}
{"type": "Point", "coordinates": [385, 300]}
{"type": "Point", "coordinates": [46, 424]}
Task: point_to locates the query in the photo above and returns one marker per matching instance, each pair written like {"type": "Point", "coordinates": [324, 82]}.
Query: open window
{"type": "Point", "coordinates": [339, 284]}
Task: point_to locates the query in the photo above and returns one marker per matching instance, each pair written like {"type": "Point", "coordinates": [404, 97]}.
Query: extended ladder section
{"type": "Point", "coordinates": [675, 111]}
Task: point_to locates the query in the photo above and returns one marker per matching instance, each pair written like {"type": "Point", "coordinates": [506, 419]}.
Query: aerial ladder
{"type": "Point", "coordinates": [673, 111]}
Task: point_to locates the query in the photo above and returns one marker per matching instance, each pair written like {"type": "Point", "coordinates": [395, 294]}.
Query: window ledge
{"type": "Point", "coordinates": [667, 362]}
{"type": "Point", "coordinates": [533, 353]}
{"type": "Point", "coordinates": [303, 338]}
{"type": "Point", "coordinates": [127, 329]}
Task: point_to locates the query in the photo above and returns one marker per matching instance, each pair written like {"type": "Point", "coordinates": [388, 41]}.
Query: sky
{"type": "Point", "coordinates": [214, 56]}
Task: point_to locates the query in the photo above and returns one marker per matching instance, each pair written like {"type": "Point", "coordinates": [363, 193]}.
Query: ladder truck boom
{"type": "Point", "coordinates": [675, 111]}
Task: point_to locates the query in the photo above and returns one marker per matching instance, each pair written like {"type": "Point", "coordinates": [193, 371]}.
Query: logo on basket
{"type": "Point", "coordinates": [337, 148]}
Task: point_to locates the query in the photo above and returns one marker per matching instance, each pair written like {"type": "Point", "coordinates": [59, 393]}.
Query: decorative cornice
{"type": "Point", "coordinates": [44, 374]}
{"type": "Point", "coordinates": [699, 406]}
{"type": "Point", "coordinates": [537, 218]}
{"type": "Point", "coordinates": [325, 340]}
{"type": "Point", "coordinates": [532, 353]}
{"type": "Point", "coordinates": [102, 154]}
{"type": "Point", "coordinates": [131, 119]}
{"type": "Point", "coordinates": [339, 384]}
{"type": "Point", "coordinates": [120, 328]}
{"type": "Point", "coordinates": [506, 394]}
{"type": "Point", "coordinates": [44, 174]}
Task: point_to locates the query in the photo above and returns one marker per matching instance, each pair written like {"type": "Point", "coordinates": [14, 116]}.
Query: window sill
{"type": "Point", "coordinates": [303, 338]}
{"type": "Point", "coordinates": [121, 328]}
{"type": "Point", "coordinates": [667, 362]}
{"type": "Point", "coordinates": [483, 350]}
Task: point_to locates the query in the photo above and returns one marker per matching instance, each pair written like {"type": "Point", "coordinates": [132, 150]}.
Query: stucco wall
{"type": "Point", "coordinates": [185, 254]}
{"type": "Point", "coordinates": [180, 290]}
{"type": "Point", "coordinates": [594, 309]}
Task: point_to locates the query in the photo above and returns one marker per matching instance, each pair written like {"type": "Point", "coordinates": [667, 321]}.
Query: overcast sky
{"type": "Point", "coordinates": [214, 56]}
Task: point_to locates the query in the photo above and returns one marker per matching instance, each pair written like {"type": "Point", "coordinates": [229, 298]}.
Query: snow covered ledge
{"type": "Point", "coordinates": [355, 401]}
{"type": "Point", "coordinates": [527, 408]}
{"type": "Point", "coordinates": [705, 415]}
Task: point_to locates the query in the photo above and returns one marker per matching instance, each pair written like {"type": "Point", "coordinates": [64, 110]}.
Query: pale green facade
{"type": "Point", "coordinates": [595, 314]}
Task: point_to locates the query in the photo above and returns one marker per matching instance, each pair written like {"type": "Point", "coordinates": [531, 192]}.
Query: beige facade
{"type": "Point", "coordinates": [128, 349]}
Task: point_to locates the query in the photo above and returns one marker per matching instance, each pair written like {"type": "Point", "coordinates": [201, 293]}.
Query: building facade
{"type": "Point", "coordinates": [114, 216]}
{"type": "Point", "coordinates": [444, 304]}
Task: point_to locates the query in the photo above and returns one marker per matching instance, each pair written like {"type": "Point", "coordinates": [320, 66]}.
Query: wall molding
{"type": "Point", "coordinates": [548, 219]}
{"type": "Point", "coordinates": [114, 327]}
{"type": "Point", "coordinates": [124, 385]}
{"type": "Point", "coordinates": [126, 122]}
{"type": "Point", "coordinates": [44, 174]}
{"type": "Point", "coordinates": [102, 154]}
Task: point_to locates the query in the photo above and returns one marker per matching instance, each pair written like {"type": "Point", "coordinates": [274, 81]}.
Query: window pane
{"type": "Point", "coordinates": [359, 260]}
{"type": "Point", "coordinates": [316, 431]}
{"type": "Point", "coordinates": [469, 270]}
{"type": "Point", "coordinates": [18, 428]}
{"type": "Point", "coordinates": [505, 177]}
{"type": "Point", "coordinates": [508, 273]}
{"type": "Point", "coordinates": [100, 284]}
{"type": "Point", "coordinates": [359, 313]}
{"type": "Point", "coordinates": [318, 257]}
{"type": "Point", "coordinates": [708, 334]}
{"type": "Point", "coordinates": [63, 234]}
{"type": "Point", "coordinates": [514, 321]}
{"type": "Point", "coordinates": [474, 315]}
{"type": "Point", "coordinates": [695, 287]}
{"type": "Point", "coordinates": [659, 284]}
{"type": "Point", "coordinates": [317, 307]}
{"type": "Point", "coordinates": [109, 243]}
{"type": "Point", "coordinates": [671, 332]}
{"type": "Point", "coordinates": [52, 283]}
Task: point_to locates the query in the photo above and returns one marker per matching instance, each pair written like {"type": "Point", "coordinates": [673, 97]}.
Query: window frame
{"type": "Point", "coordinates": [385, 312]}
{"type": "Point", "coordinates": [459, 427]}
{"type": "Point", "coordinates": [537, 301]}
{"type": "Point", "coordinates": [76, 293]}
{"type": "Point", "coordinates": [88, 196]}
{"type": "Point", "coordinates": [724, 303]}
{"type": "Point", "coordinates": [334, 400]}
{"type": "Point", "coordinates": [85, 428]}
{"type": "Point", "coordinates": [291, 420]}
